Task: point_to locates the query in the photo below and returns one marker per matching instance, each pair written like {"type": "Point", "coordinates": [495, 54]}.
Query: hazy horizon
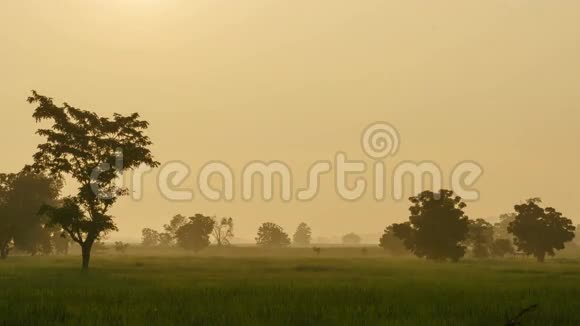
{"type": "Point", "coordinates": [495, 82]}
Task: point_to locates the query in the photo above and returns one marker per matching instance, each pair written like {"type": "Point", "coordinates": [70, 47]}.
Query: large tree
{"type": "Point", "coordinates": [437, 226]}
{"type": "Point", "coordinates": [272, 235]}
{"type": "Point", "coordinates": [302, 236]}
{"type": "Point", "coordinates": [22, 196]}
{"type": "Point", "coordinates": [93, 151]}
{"type": "Point", "coordinates": [195, 234]}
{"type": "Point", "coordinates": [540, 231]}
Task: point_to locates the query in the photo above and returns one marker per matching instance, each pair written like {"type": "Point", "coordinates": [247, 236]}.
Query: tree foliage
{"type": "Point", "coordinates": [500, 229]}
{"type": "Point", "coordinates": [176, 222]}
{"type": "Point", "coordinates": [480, 238]}
{"type": "Point", "coordinates": [502, 247]}
{"type": "Point", "coordinates": [86, 147]}
{"type": "Point", "coordinates": [437, 226]}
{"type": "Point", "coordinates": [272, 235]}
{"type": "Point", "coordinates": [195, 234]}
{"type": "Point", "coordinates": [540, 231]}
{"type": "Point", "coordinates": [303, 235]}
{"type": "Point", "coordinates": [150, 238]}
{"type": "Point", "coordinates": [22, 196]}
{"type": "Point", "coordinates": [391, 243]}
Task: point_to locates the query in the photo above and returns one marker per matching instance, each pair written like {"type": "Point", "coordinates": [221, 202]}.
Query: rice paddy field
{"type": "Point", "coordinates": [251, 286]}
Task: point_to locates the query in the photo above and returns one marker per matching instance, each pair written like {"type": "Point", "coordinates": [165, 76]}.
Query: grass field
{"type": "Point", "coordinates": [286, 287]}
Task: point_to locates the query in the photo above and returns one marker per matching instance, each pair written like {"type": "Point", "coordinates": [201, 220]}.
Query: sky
{"type": "Point", "coordinates": [493, 82]}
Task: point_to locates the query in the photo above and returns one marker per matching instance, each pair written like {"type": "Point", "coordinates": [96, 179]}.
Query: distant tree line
{"type": "Point", "coordinates": [438, 229]}
{"type": "Point", "coordinates": [191, 233]}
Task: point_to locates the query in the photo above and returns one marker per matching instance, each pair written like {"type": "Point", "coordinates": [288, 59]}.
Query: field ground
{"type": "Point", "coordinates": [247, 286]}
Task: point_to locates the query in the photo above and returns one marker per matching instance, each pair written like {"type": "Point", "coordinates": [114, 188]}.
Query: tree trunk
{"type": "Point", "coordinates": [86, 251]}
{"type": "Point", "coordinates": [541, 258]}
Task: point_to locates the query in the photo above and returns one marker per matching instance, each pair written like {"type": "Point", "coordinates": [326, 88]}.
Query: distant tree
{"type": "Point", "coordinates": [391, 244]}
{"type": "Point", "coordinates": [480, 238]}
{"type": "Point", "coordinates": [86, 147]}
{"type": "Point", "coordinates": [150, 238]}
{"type": "Point", "coordinates": [500, 229]}
{"type": "Point", "coordinates": [501, 248]}
{"type": "Point", "coordinates": [195, 234]}
{"type": "Point", "coordinates": [22, 196]}
{"type": "Point", "coordinates": [540, 231]}
{"type": "Point", "coordinates": [272, 235]}
{"type": "Point", "coordinates": [351, 239]}
{"type": "Point", "coordinates": [223, 231]}
{"type": "Point", "coordinates": [121, 247]}
{"type": "Point", "coordinates": [437, 226]}
{"type": "Point", "coordinates": [176, 222]}
{"type": "Point", "coordinates": [303, 235]}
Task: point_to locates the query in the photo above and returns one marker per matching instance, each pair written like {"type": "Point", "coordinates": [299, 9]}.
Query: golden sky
{"type": "Point", "coordinates": [496, 82]}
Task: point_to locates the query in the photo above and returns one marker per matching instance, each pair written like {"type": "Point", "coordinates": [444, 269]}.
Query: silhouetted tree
{"type": "Point", "coordinates": [22, 196]}
{"type": "Point", "coordinates": [480, 238]}
{"type": "Point", "coordinates": [437, 226]}
{"type": "Point", "coordinates": [302, 236]}
{"type": "Point", "coordinates": [501, 248]}
{"type": "Point", "coordinates": [195, 234]}
{"type": "Point", "coordinates": [150, 238]}
{"type": "Point", "coordinates": [540, 231]}
{"type": "Point", "coordinates": [93, 151]}
{"type": "Point", "coordinates": [223, 231]}
{"type": "Point", "coordinates": [391, 244]}
{"type": "Point", "coordinates": [272, 235]}
{"type": "Point", "coordinates": [351, 239]}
